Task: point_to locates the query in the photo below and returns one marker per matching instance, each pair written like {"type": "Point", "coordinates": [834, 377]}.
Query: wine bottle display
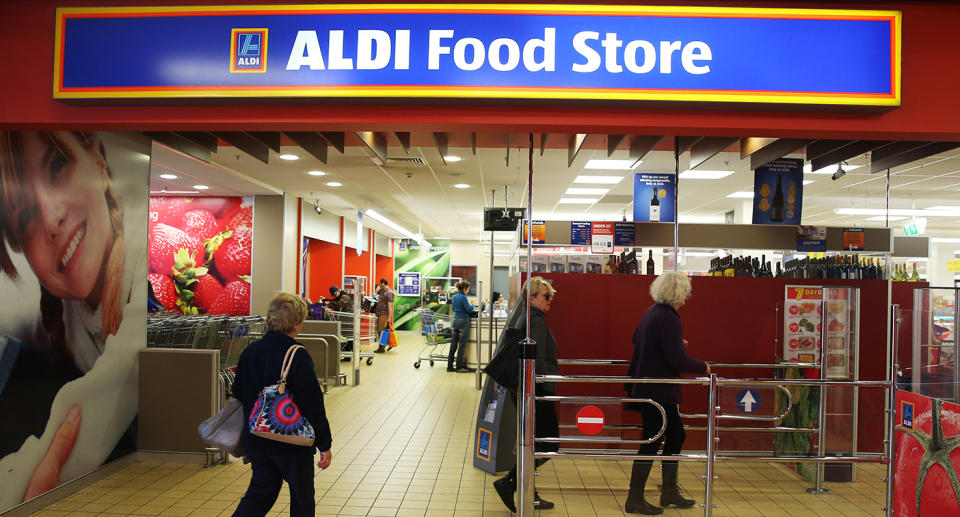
{"type": "Point", "coordinates": [650, 257]}
{"type": "Point", "coordinates": [776, 207]}
{"type": "Point", "coordinates": [655, 207]}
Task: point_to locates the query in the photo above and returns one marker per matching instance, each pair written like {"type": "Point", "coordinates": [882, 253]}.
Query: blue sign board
{"type": "Point", "coordinates": [906, 414]}
{"type": "Point", "coordinates": [545, 51]}
{"type": "Point", "coordinates": [580, 233]}
{"type": "Point", "coordinates": [484, 438]}
{"type": "Point", "coordinates": [624, 234]}
{"type": "Point", "coordinates": [811, 238]}
{"type": "Point", "coordinates": [408, 284]}
{"type": "Point", "coordinates": [653, 200]}
{"type": "Point", "coordinates": [748, 401]}
{"type": "Point", "coordinates": [778, 192]}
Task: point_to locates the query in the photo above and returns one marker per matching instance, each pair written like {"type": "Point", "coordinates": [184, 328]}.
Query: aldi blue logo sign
{"type": "Point", "coordinates": [484, 438]}
{"type": "Point", "coordinates": [248, 50]}
{"type": "Point", "coordinates": [906, 414]}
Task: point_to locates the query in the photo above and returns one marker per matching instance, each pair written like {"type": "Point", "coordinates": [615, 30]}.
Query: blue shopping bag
{"type": "Point", "coordinates": [384, 337]}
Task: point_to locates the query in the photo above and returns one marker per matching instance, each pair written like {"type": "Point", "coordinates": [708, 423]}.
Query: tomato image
{"type": "Point", "coordinates": [794, 310]}
{"type": "Point", "coordinates": [794, 343]}
{"type": "Point", "coordinates": [927, 461]}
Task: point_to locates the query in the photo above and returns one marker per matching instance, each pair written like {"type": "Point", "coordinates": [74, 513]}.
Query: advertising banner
{"type": "Point", "coordinates": [601, 238]}
{"type": "Point", "coordinates": [803, 309]}
{"type": "Point", "coordinates": [73, 294]}
{"type": "Point", "coordinates": [853, 239]}
{"type": "Point", "coordinates": [410, 257]}
{"type": "Point", "coordinates": [625, 234]}
{"type": "Point", "coordinates": [539, 232]}
{"type": "Point", "coordinates": [926, 458]}
{"type": "Point", "coordinates": [811, 238]}
{"type": "Point", "coordinates": [408, 284]}
{"type": "Point", "coordinates": [653, 197]}
{"type": "Point", "coordinates": [580, 233]}
{"type": "Point", "coordinates": [778, 192]}
{"type": "Point", "coordinates": [200, 253]}
{"type": "Point", "coordinates": [611, 52]}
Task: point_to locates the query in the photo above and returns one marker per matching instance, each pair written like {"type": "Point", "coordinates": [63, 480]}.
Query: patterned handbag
{"type": "Point", "coordinates": [276, 416]}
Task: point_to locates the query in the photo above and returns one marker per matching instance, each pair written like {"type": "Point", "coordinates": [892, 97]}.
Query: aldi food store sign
{"type": "Point", "coordinates": [691, 54]}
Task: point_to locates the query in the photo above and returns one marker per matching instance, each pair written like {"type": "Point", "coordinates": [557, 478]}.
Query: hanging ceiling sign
{"type": "Point", "coordinates": [659, 53]}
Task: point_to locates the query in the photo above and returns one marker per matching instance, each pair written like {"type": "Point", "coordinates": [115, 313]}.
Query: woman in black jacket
{"type": "Point", "coordinates": [545, 412]}
{"type": "Point", "coordinates": [660, 352]}
{"type": "Point", "coordinates": [274, 461]}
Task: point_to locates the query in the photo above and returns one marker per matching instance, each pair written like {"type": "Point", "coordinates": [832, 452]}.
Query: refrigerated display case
{"type": "Point", "coordinates": [934, 370]}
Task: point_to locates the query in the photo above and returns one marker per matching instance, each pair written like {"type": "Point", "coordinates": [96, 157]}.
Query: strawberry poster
{"type": "Point", "coordinates": [802, 309]}
{"type": "Point", "coordinates": [199, 253]}
{"type": "Point", "coordinates": [926, 459]}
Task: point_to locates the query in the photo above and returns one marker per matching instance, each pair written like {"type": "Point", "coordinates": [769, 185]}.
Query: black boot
{"type": "Point", "coordinates": [506, 487]}
{"type": "Point", "coordinates": [541, 504]}
{"type": "Point", "coordinates": [670, 492]}
{"type": "Point", "coordinates": [635, 501]}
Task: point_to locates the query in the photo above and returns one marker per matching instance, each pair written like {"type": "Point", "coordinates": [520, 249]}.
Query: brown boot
{"type": "Point", "coordinates": [638, 480]}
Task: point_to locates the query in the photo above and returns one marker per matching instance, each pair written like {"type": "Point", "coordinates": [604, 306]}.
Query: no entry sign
{"type": "Point", "coordinates": [590, 420]}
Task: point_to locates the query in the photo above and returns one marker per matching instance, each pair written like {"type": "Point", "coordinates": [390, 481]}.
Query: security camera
{"type": "Point", "coordinates": [316, 206]}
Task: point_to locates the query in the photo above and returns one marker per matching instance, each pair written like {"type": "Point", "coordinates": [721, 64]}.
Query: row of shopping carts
{"type": "Point", "coordinates": [364, 336]}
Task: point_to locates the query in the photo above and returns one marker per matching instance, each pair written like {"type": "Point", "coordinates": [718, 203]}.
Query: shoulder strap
{"type": "Point", "coordinates": [285, 368]}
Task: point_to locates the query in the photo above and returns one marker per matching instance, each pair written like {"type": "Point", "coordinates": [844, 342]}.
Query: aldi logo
{"type": "Point", "coordinates": [906, 414]}
{"type": "Point", "coordinates": [248, 51]}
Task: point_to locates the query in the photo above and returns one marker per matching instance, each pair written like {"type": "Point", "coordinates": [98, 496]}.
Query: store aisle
{"type": "Point", "coordinates": [402, 447]}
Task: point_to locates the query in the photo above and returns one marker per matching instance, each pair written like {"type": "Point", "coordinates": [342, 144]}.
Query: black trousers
{"type": "Point", "coordinates": [545, 425]}
{"type": "Point", "coordinates": [672, 438]}
{"type": "Point", "coordinates": [269, 472]}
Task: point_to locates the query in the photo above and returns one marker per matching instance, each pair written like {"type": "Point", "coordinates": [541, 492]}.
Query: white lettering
{"type": "Point", "coordinates": [696, 50]}
{"type": "Point", "coordinates": [630, 56]}
{"type": "Point", "coordinates": [667, 48]}
{"type": "Point", "coordinates": [581, 46]}
{"type": "Point", "coordinates": [460, 51]}
{"type": "Point", "coordinates": [306, 51]}
{"type": "Point", "coordinates": [435, 50]}
{"type": "Point", "coordinates": [366, 58]}
{"type": "Point", "coordinates": [402, 58]}
{"type": "Point", "coordinates": [611, 44]}
{"type": "Point", "coordinates": [549, 46]}
{"type": "Point", "coordinates": [335, 53]}
{"type": "Point", "coordinates": [513, 54]}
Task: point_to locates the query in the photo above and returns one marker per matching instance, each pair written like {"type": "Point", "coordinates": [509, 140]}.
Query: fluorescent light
{"type": "Point", "coordinates": [742, 194]}
{"type": "Point", "coordinates": [612, 165]}
{"type": "Point", "coordinates": [334, 184]}
{"type": "Point", "coordinates": [316, 173]}
{"type": "Point", "coordinates": [952, 240]}
{"type": "Point", "coordinates": [442, 238]}
{"type": "Point", "coordinates": [169, 176]}
{"type": "Point", "coordinates": [289, 157]}
{"type": "Point", "coordinates": [201, 187]}
{"type": "Point", "coordinates": [884, 218]}
{"type": "Point", "coordinates": [461, 185]}
{"type": "Point", "coordinates": [938, 207]}
{"type": "Point", "coordinates": [908, 212]}
{"type": "Point", "coordinates": [578, 200]}
{"type": "Point", "coordinates": [586, 191]}
{"type": "Point", "coordinates": [168, 192]}
{"type": "Point", "coordinates": [452, 159]}
{"type": "Point", "coordinates": [599, 180]}
{"type": "Point", "coordinates": [403, 231]}
{"type": "Point", "coordinates": [807, 182]}
{"type": "Point", "coordinates": [704, 175]}
{"type": "Point", "coordinates": [829, 169]}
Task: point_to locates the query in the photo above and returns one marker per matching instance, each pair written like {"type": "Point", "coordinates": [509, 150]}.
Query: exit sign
{"type": "Point", "coordinates": [910, 229]}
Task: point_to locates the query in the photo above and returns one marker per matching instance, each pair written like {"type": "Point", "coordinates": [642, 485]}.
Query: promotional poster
{"type": "Point", "coordinates": [778, 192]}
{"type": "Point", "coordinates": [927, 456]}
{"type": "Point", "coordinates": [200, 253]}
{"type": "Point", "coordinates": [73, 291]}
{"type": "Point", "coordinates": [653, 200]}
{"type": "Point", "coordinates": [410, 257]}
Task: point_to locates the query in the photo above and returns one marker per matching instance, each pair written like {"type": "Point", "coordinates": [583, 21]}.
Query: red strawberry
{"type": "Point", "coordinates": [229, 207]}
{"type": "Point", "coordinates": [244, 217]}
{"type": "Point", "coordinates": [164, 290]}
{"type": "Point", "coordinates": [206, 291]}
{"type": "Point", "coordinates": [232, 258]}
{"type": "Point", "coordinates": [168, 210]}
{"type": "Point", "coordinates": [165, 241]}
{"type": "Point", "coordinates": [200, 224]}
{"type": "Point", "coordinates": [234, 300]}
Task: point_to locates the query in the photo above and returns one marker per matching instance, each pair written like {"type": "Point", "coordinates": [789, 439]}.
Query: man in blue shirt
{"type": "Point", "coordinates": [461, 328]}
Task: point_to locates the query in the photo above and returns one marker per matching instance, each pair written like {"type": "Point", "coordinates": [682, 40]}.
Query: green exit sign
{"type": "Point", "coordinates": [910, 229]}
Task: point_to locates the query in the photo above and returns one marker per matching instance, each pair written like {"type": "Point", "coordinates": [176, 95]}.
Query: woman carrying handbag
{"type": "Point", "coordinates": [286, 431]}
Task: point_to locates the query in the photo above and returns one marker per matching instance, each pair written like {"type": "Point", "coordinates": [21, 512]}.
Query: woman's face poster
{"type": "Point", "coordinates": [73, 221]}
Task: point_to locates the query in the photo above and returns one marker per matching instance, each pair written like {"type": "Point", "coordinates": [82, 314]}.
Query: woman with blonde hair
{"type": "Point", "coordinates": [273, 461]}
{"type": "Point", "coordinates": [660, 352]}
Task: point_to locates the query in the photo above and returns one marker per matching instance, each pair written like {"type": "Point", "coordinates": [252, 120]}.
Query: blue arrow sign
{"type": "Point", "coordinates": [748, 400]}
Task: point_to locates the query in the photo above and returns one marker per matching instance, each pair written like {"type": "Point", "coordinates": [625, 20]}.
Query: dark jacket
{"type": "Point", "coordinates": [659, 352]}
{"type": "Point", "coordinates": [259, 366]}
{"type": "Point", "coordinates": [546, 350]}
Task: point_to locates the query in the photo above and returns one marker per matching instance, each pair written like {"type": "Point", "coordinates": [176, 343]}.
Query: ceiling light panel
{"type": "Point", "coordinates": [612, 165]}
{"type": "Point", "coordinates": [578, 200]}
{"type": "Point", "coordinates": [884, 218]}
{"type": "Point", "coordinates": [598, 180]}
{"type": "Point", "coordinates": [829, 170]}
{"type": "Point", "coordinates": [742, 194]}
{"type": "Point", "coordinates": [580, 191]}
{"type": "Point", "coordinates": [704, 175]}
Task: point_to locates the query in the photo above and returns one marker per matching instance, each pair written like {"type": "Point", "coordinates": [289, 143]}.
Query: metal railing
{"type": "Point", "coordinates": [526, 439]}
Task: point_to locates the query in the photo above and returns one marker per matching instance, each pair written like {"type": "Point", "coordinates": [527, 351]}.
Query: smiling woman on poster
{"type": "Point", "coordinates": [70, 391]}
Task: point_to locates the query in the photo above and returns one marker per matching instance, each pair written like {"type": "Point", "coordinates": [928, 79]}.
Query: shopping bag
{"type": "Point", "coordinates": [275, 415]}
{"type": "Point", "coordinates": [384, 337]}
{"type": "Point", "coordinates": [392, 338]}
{"type": "Point", "coordinates": [504, 366]}
{"type": "Point", "coordinates": [223, 429]}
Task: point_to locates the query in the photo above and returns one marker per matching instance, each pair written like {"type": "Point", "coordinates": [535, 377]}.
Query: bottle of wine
{"type": "Point", "coordinates": [655, 207]}
{"type": "Point", "coordinates": [914, 277]}
{"type": "Point", "coordinates": [776, 207]}
{"type": "Point", "coordinates": [650, 258]}
{"type": "Point", "coordinates": [779, 272]}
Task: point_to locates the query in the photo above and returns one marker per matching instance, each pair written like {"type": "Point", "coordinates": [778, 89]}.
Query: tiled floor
{"type": "Point", "coordinates": [403, 446]}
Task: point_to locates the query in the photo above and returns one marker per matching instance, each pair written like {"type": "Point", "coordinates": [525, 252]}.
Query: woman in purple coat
{"type": "Point", "coordinates": [659, 351]}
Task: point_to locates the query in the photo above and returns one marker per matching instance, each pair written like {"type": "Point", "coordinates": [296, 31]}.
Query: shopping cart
{"type": "Point", "coordinates": [436, 330]}
{"type": "Point", "coordinates": [351, 336]}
